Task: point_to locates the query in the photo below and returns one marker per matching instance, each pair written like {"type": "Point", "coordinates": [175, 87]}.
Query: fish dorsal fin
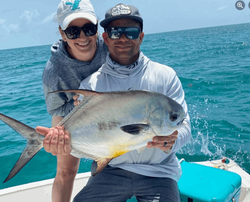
{"type": "Point", "coordinates": [135, 129]}
{"type": "Point", "coordinates": [87, 93]}
{"type": "Point", "coordinates": [98, 166]}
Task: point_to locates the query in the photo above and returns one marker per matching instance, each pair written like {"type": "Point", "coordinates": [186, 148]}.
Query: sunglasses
{"type": "Point", "coordinates": [116, 32]}
{"type": "Point", "coordinates": [74, 32]}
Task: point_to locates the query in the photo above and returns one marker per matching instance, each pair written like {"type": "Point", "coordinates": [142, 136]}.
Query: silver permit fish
{"type": "Point", "coordinates": [106, 125]}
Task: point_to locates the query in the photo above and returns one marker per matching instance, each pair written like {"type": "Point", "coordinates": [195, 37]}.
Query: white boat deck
{"type": "Point", "coordinates": [41, 191]}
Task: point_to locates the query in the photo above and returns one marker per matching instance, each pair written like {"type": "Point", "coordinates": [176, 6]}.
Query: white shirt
{"type": "Point", "coordinates": [144, 74]}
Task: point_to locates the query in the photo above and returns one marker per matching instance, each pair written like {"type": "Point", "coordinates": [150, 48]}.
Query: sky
{"type": "Point", "coordinates": [25, 23]}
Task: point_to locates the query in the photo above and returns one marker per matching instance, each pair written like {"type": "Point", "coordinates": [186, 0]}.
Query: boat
{"type": "Point", "coordinates": [220, 180]}
{"type": "Point", "coordinates": [41, 191]}
{"type": "Point", "coordinates": [230, 165]}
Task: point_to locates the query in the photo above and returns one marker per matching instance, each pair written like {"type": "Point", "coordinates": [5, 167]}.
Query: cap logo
{"type": "Point", "coordinates": [74, 5]}
{"type": "Point", "coordinates": [120, 9]}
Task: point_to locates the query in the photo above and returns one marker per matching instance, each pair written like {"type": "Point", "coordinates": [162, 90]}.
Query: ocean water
{"type": "Point", "coordinates": [213, 65]}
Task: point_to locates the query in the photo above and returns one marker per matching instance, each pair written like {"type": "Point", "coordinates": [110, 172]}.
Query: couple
{"type": "Point", "coordinates": [76, 61]}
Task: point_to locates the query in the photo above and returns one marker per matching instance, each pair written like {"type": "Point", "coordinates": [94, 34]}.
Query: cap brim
{"type": "Point", "coordinates": [105, 22]}
{"type": "Point", "coordinates": [75, 16]}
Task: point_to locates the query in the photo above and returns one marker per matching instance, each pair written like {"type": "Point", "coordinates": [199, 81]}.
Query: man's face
{"type": "Point", "coordinates": [124, 51]}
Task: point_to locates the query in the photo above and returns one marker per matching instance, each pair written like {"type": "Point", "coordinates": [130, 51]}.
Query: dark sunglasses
{"type": "Point", "coordinates": [74, 32]}
{"type": "Point", "coordinates": [116, 32]}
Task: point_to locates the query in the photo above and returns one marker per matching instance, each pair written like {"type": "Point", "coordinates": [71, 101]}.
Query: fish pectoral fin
{"type": "Point", "coordinates": [98, 166]}
{"type": "Point", "coordinates": [135, 129]}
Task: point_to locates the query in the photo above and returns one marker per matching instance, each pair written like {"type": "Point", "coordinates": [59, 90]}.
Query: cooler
{"type": "Point", "coordinates": [200, 183]}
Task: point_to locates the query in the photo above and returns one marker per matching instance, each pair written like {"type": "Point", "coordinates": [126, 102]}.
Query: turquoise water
{"type": "Point", "coordinates": [212, 63]}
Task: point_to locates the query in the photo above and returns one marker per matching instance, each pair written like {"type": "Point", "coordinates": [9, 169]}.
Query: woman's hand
{"type": "Point", "coordinates": [75, 97]}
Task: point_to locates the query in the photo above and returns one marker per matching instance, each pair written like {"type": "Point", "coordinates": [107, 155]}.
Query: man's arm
{"type": "Point", "coordinates": [179, 138]}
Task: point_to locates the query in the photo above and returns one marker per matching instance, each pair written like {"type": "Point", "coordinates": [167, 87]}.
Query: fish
{"type": "Point", "coordinates": [105, 125]}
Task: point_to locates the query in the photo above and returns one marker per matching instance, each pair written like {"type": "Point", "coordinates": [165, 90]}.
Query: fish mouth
{"type": "Point", "coordinates": [181, 122]}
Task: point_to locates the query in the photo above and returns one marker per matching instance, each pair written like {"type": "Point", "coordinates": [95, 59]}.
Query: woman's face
{"type": "Point", "coordinates": [84, 47]}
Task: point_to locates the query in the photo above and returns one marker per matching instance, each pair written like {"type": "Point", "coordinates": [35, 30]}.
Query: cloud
{"type": "Point", "coordinates": [28, 16]}
{"type": "Point", "coordinates": [14, 27]}
{"type": "Point", "coordinates": [11, 28]}
{"type": "Point", "coordinates": [222, 8]}
{"type": "Point", "coordinates": [29, 21]}
{"type": "Point", "coordinates": [3, 26]}
{"type": "Point", "coordinates": [2, 22]}
{"type": "Point", "coordinates": [49, 18]}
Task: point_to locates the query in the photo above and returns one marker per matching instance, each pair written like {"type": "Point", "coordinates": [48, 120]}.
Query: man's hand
{"type": "Point", "coordinates": [56, 141]}
{"type": "Point", "coordinates": [164, 143]}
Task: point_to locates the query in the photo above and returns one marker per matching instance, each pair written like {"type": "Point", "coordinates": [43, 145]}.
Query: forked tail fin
{"type": "Point", "coordinates": [34, 143]}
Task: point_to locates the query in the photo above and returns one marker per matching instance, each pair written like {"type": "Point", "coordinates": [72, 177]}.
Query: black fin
{"type": "Point", "coordinates": [93, 168]}
{"type": "Point", "coordinates": [135, 129]}
{"type": "Point", "coordinates": [98, 166]}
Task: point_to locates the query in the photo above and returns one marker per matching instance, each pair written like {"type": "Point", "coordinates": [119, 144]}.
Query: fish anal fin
{"type": "Point", "coordinates": [87, 93]}
{"type": "Point", "coordinates": [135, 129]}
{"type": "Point", "coordinates": [98, 166]}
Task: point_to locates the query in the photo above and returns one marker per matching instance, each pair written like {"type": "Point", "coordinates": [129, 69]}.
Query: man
{"type": "Point", "coordinates": [151, 175]}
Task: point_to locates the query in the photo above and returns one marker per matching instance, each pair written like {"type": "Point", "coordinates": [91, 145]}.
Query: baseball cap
{"type": "Point", "coordinates": [121, 11]}
{"type": "Point", "coordinates": [69, 10]}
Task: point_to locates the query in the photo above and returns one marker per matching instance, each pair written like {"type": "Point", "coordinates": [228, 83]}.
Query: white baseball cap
{"type": "Point", "coordinates": [69, 10]}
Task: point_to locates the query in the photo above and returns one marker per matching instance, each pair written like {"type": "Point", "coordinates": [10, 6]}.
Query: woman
{"type": "Point", "coordinates": [80, 53]}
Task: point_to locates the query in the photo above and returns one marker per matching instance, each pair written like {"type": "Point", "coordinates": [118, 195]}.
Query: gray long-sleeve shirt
{"type": "Point", "coordinates": [63, 72]}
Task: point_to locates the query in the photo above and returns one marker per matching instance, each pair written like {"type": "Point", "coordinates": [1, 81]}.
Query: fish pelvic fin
{"type": "Point", "coordinates": [135, 129]}
{"type": "Point", "coordinates": [34, 143]}
{"type": "Point", "coordinates": [98, 166]}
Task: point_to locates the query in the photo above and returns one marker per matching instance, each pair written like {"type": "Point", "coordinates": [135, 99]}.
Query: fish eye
{"type": "Point", "coordinates": [173, 117]}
